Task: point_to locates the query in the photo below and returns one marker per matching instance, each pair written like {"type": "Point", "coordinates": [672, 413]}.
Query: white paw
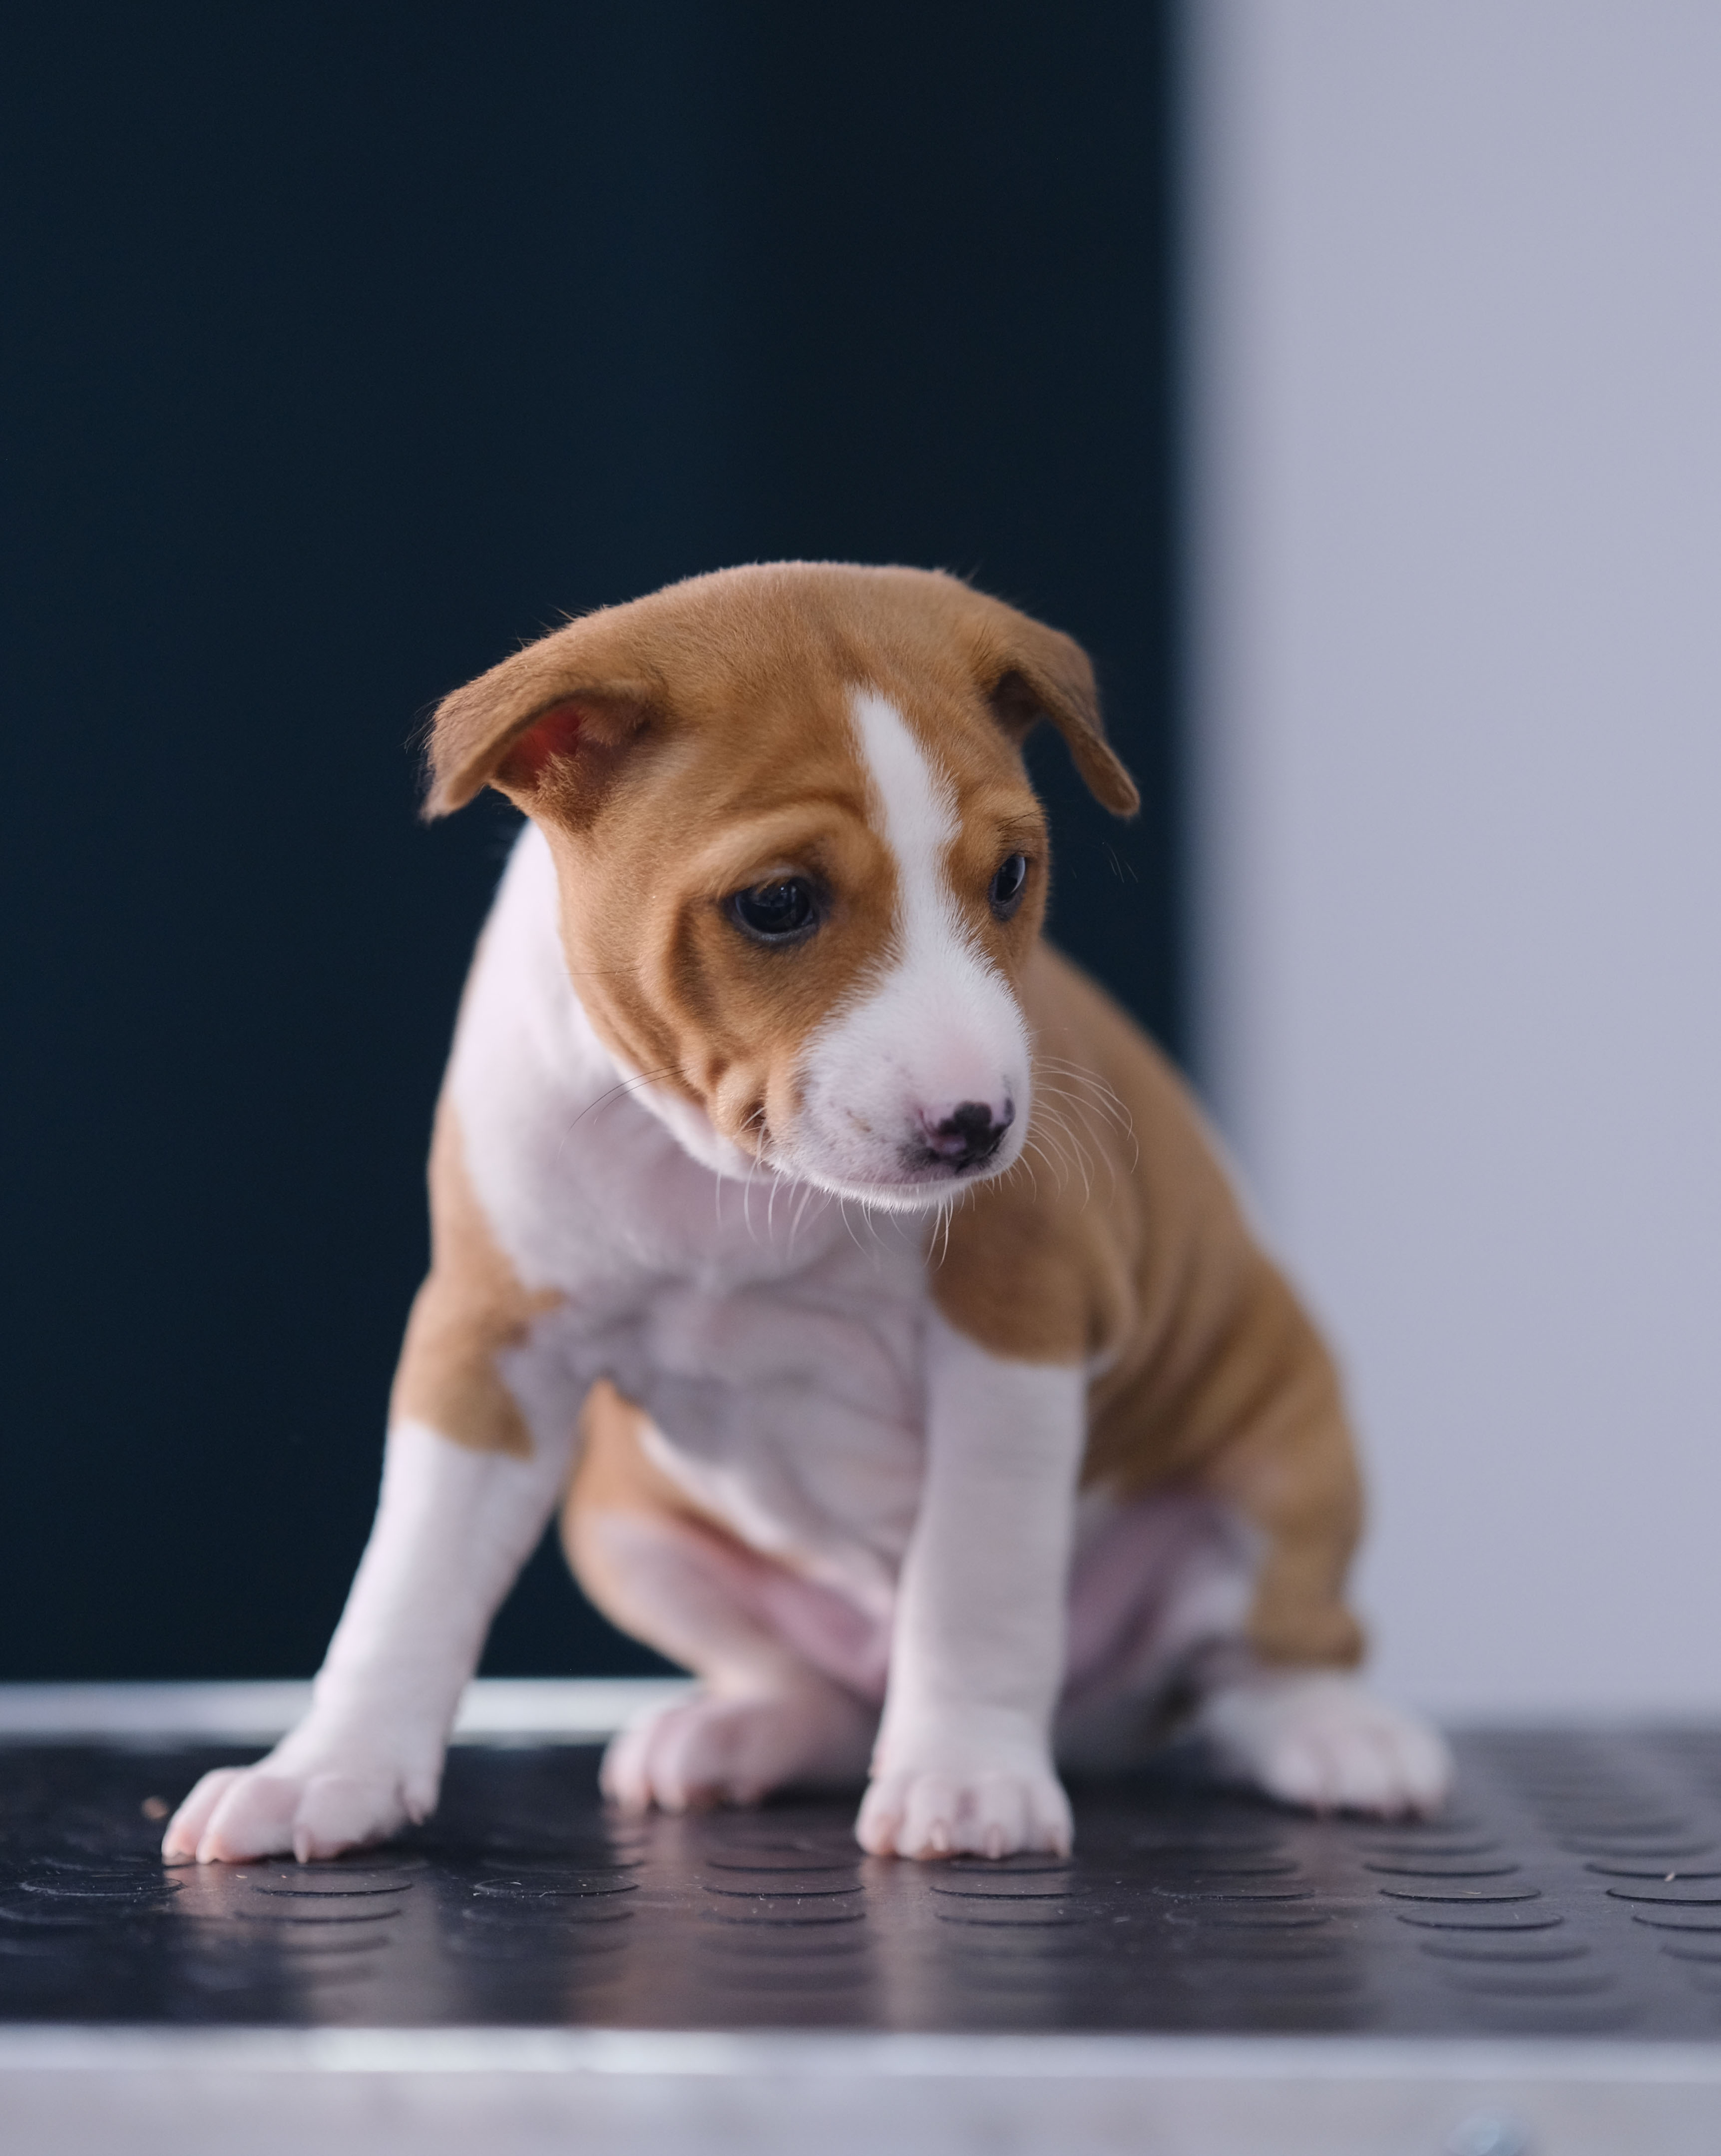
{"type": "Point", "coordinates": [1322, 1739]}
{"type": "Point", "coordinates": [708, 1751]}
{"type": "Point", "coordinates": [963, 1798]}
{"type": "Point", "coordinates": [309, 1798]}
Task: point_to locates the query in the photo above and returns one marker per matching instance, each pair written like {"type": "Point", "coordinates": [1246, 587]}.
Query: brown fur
{"type": "Point", "coordinates": [695, 742]}
{"type": "Point", "coordinates": [471, 1307]}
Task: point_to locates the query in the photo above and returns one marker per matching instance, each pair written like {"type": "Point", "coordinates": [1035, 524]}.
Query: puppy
{"type": "Point", "coordinates": [852, 1270]}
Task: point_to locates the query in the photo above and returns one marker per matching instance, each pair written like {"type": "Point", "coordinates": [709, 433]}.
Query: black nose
{"type": "Point", "coordinates": [968, 1135]}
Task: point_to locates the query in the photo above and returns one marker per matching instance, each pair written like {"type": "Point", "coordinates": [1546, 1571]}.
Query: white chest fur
{"type": "Point", "coordinates": [774, 1334]}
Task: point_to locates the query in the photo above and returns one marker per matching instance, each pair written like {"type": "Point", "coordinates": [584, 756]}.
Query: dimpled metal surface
{"type": "Point", "coordinates": [1573, 1889]}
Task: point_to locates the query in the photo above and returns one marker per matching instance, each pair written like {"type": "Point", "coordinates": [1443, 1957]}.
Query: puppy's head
{"type": "Point", "coordinates": [801, 867]}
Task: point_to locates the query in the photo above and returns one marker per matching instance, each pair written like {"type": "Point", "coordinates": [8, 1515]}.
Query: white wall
{"type": "Point", "coordinates": [1457, 389]}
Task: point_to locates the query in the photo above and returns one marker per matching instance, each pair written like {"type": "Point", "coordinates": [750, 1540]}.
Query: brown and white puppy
{"type": "Point", "coordinates": [854, 1272]}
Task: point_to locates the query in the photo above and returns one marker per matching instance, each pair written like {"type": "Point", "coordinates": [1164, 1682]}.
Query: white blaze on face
{"type": "Point", "coordinates": [892, 1084]}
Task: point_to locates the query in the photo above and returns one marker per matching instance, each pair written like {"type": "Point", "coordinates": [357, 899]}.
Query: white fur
{"type": "Point", "coordinates": [782, 1343]}
{"type": "Point", "coordinates": [1321, 1739]}
{"type": "Point", "coordinates": [940, 1026]}
{"type": "Point", "coordinates": [964, 1760]}
{"type": "Point", "coordinates": [453, 1527]}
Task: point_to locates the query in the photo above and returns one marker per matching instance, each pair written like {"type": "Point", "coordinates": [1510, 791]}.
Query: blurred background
{"type": "Point", "coordinates": [1347, 376]}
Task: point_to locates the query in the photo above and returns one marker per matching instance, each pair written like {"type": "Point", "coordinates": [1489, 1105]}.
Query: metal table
{"type": "Point", "coordinates": [1539, 1971]}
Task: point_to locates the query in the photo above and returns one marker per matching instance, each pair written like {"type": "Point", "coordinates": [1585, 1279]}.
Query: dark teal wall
{"type": "Point", "coordinates": [344, 346]}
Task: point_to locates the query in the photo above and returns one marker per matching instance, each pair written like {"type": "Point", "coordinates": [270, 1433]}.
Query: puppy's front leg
{"type": "Point", "coordinates": [452, 1528]}
{"type": "Point", "coordinates": [964, 1758]}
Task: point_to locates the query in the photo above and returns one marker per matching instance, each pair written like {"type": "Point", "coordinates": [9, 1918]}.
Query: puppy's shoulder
{"type": "Point", "coordinates": [1045, 1264]}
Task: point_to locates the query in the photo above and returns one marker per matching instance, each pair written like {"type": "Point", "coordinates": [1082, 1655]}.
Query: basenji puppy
{"type": "Point", "coordinates": [855, 1275]}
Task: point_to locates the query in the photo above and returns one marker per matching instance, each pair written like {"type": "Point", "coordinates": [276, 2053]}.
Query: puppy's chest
{"type": "Point", "coordinates": [792, 1407]}
{"type": "Point", "coordinates": [776, 1345]}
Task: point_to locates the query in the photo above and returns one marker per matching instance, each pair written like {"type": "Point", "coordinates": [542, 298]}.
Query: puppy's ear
{"type": "Point", "coordinates": [534, 719]}
{"type": "Point", "coordinates": [1037, 673]}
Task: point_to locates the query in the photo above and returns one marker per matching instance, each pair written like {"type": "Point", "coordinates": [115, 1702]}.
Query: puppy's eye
{"type": "Point", "coordinates": [1008, 886]}
{"type": "Point", "coordinates": [776, 912]}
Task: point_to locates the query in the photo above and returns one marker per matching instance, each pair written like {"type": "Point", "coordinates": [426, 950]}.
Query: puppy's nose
{"type": "Point", "coordinates": [970, 1133]}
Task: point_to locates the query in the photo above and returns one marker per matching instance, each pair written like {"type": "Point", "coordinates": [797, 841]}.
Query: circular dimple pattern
{"type": "Point", "coordinates": [1465, 1868]}
{"type": "Point", "coordinates": [1642, 1868]}
{"type": "Point", "coordinates": [500, 1854]}
{"type": "Point", "coordinates": [786, 1909]}
{"type": "Point", "coordinates": [1458, 1897]}
{"type": "Point", "coordinates": [800, 1886]}
{"type": "Point", "coordinates": [92, 1885]}
{"type": "Point", "coordinates": [1033, 1887]}
{"type": "Point", "coordinates": [551, 1886]}
{"type": "Point", "coordinates": [1505, 1950]}
{"type": "Point", "coordinates": [1231, 1919]}
{"type": "Point", "coordinates": [796, 1862]}
{"type": "Point", "coordinates": [1668, 1894]}
{"type": "Point", "coordinates": [105, 1870]}
{"type": "Point", "coordinates": [1479, 1920]}
{"type": "Point", "coordinates": [1004, 1867]}
{"type": "Point", "coordinates": [1432, 1849]}
{"type": "Point", "coordinates": [1633, 1845]}
{"type": "Point", "coordinates": [334, 1893]}
{"type": "Point", "coordinates": [391, 1864]}
{"type": "Point", "coordinates": [1241, 1899]}
{"type": "Point", "coordinates": [1010, 1915]}
{"type": "Point", "coordinates": [304, 1948]}
{"type": "Point", "coordinates": [546, 1916]}
{"type": "Point", "coordinates": [307, 1917]}
{"type": "Point", "coordinates": [1179, 1912]}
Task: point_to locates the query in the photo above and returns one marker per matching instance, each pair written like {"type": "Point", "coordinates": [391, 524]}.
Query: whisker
{"type": "Point", "coordinates": [1101, 1087]}
{"type": "Point", "coordinates": [1062, 1122]}
{"type": "Point", "coordinates": [1084, 1164]}
{"type": "Point", "coordinates": [806, 1199]}
{"type": "Point", "coordinates": [1026, 1165]}
{"type": "Point", "coordinates": [1106, 1151]}
{"type": "Point", "coordinates": [940, 1237]}
{"type": "Point", "coordinates": [1086, 1109]}
{"type": "Point", "coordinates": [610, 1093]}
{"type": "Point", "coordinates": [747, 1202]}
{"type": "Point", "coordinates": [1054, 1132]}
{"type": "Point", "coordinates": [1105, 1097]}
{"type": "Point", "coordinates": [1030, 1145]}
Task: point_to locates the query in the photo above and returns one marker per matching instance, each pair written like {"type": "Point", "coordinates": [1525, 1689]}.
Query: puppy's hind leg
{"type": "Point", "coordinates": [765, 1717]}
{"type": "Point", "coordinates": [1321, 1739]}
{"type": "Point", "coordinates": [1160, 1605]}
